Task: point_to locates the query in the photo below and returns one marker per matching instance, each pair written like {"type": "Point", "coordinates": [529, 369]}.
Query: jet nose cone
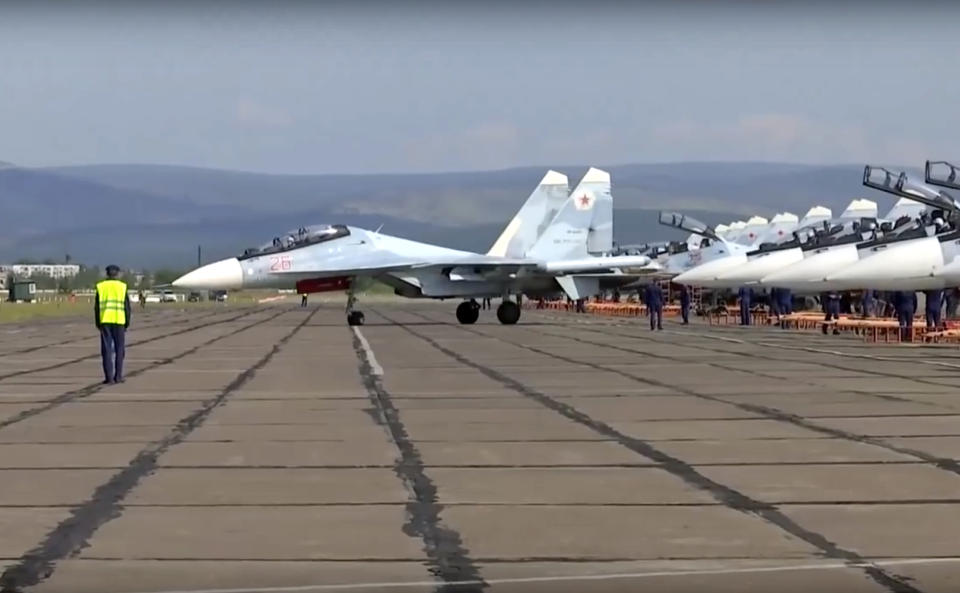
{"type": "Point", "coordinates": [754, 270]}
{"type": "Point", "coordinates": [813, 269]}
{"type": "Point", "coordinates": [888, 269]}
{"type": "Point", "coordinates": [706, 274]}
{"type": "Point", "coordinates": [225, 274]}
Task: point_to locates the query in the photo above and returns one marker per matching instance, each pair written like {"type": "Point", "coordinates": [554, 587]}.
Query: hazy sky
{"type": "Point", "coordinates": [296, 87]}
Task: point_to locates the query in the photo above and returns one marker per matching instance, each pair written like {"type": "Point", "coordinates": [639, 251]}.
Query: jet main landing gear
{"type": "Point", "coordinates": [354, 317]}
{"type": "Point", "coordinates": [468, 312]}
{"type": "Point", "coordinates": [508, 312]}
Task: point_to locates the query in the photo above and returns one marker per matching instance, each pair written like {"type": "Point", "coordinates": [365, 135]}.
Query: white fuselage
{"type": "Point", "coordinates": [908, 265]}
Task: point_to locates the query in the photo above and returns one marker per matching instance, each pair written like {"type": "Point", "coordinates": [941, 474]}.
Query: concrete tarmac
{"type": "Point", "coordinates": [275, 449]}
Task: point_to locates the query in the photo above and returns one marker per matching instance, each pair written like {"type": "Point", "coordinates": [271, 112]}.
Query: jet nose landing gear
{"type": "Point", "coordinates": [354, 317]}
{"type": "Point", "coordinates": [468, 312]}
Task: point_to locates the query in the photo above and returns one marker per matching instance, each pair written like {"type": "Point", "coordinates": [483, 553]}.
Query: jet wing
{"type": "Point", "coordinates": [478, 261]}
{"type": "Point", "coordinates": [463, 266]}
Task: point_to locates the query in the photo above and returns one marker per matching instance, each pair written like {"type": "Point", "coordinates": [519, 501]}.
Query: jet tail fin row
{"type": "Point", "coordinates": [568, 234]}
{"type": "Point", "coordinates": [861, 208]}
{"type": "Point", "coordinates": [533, 217]}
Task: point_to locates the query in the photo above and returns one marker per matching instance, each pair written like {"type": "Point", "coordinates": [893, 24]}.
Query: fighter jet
{"type": "Point", "coordinates": [710, 273]}
{"type": "Point", "coordinates": [778, 246]}
{"type": "Point", "coordinates": [784, 249]}
{"type": "Point", "coordinates": [331, 257]}
{"type": "Point", "coordinates": [702, 245]}
{"type": "Point", "coordinates": [834, 246]}
{"type": "Point", "coordinates": [950, 271]}
{"type": "Point", "coordinates": [905, 258]}
{"type": "Point", "coordinates": [773, 249]}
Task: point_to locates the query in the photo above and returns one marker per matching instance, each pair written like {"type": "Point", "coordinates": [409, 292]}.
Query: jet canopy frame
{"type": "Point", "coordinates": [899, 184]}
{"type": "Point", "coordinates": [951, 180]}
{"type": "Point", "coordinates": [825, 234]}
{"type": "Point", "coordinates": [301, 237]}
{"type": "Point", "coordinates": [686, 223]}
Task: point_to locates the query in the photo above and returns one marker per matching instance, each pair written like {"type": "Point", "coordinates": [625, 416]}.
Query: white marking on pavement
{"type": "Point", "coordinates": [585, 577]}
{"type": "Point", "coordinates": [375, 367]}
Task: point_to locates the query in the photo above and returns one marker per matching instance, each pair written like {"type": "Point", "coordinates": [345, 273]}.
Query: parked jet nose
{"type": "Point", "coordinates": [755, 269]}
{"type": "Point", "coordinates": [225, 274]}
{"type": "Point", "coordinates": [706, 274]}
{"type": "Point", "coordinates": [906, 266]}
{"type": "Point", "coordinates": [813, 270]}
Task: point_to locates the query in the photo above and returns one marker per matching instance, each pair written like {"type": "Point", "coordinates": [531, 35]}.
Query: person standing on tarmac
{"type": "Point", "coordinates": [111, 310]}
{"type": "Point", "coordinates": [685, 304]}
{"type": "Point", "coordinates": [906, 305]}
{"type": "Point", "coordinates": [951, 298]}
{"type": "Point", "coordinates": [867, 303]}
{"type": "Point", "coordinates": [746, 295]}
{"type": "Point", "coordinates": [934, 308]}
{"type": "Point", "coordinates": [654, 301]}
{"type": "Point", "coordinates": [786, 301]}
{"type": "Point", "coordinates": [831, 306]}
{"type": "Point", "coordinates": [303, 300]}
{"type": "Point", "coordinates": [774, 298]}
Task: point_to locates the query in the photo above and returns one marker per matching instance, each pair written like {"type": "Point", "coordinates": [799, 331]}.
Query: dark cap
{"type": "Point", "coordinates": [113, 271]}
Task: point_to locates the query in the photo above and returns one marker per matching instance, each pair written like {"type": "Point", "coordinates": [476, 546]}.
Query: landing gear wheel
{"type": "Point", "coordinates": [355, 318]}
{"type": "Point", "coordinates": [468, 312]}
{"type": "Point", "coordinates": [508, 312]}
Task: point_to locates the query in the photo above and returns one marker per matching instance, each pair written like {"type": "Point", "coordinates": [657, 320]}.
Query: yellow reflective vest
{"type": "Point", "coordinates": [112, 297]}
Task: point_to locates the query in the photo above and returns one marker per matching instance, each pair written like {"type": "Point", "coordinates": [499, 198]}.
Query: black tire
{"type": "Point", "coordinates": [468, 312]}
{"type": "Point", "coordinates": [355, 318]}
{"type": "Point", "coordinates": [508, 312]}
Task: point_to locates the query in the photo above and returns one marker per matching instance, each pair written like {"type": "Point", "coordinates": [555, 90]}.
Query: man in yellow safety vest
{"type": "Point", "coordinates": [111, 311]}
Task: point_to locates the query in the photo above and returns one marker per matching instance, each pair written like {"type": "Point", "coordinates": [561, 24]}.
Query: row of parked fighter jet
{"type": "Point", "coordinates": [913, 247]}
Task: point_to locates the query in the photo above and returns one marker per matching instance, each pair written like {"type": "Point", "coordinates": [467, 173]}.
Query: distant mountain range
{"type": "Point", "coordinates": [156, 215]}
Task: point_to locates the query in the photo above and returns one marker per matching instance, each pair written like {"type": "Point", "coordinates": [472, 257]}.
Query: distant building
{"type": "Point", "coordinates": [57, 271]}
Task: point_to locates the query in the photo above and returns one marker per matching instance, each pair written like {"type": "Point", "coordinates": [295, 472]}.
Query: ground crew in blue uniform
{"type": "Point", "coordinates": [654, 301]}
{"type": "Point", "coordinates": [746, 295]}
{"type": "Point", "coordinates": [111, 309]}
{"type": "Point", "coordinates": [774, 299]}
{"type": "Point", "coordinates": [905, 304]}
{"type": "Point", "coordinates": [934, 308]}
{"type": "Point", "coordinates": [952, 298]}
{"type": "Point", "coordinates": [831, 306]}
{"type": "Point", "coordinates": [868, 303]}
{"type": "Point", "coordinates": [786, 301]}
{"type": "Point", "coordinates": [685, 304]}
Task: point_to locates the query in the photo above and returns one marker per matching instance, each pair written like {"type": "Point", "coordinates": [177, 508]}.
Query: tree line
{"type": "Point", "coordinates": [88, 277]}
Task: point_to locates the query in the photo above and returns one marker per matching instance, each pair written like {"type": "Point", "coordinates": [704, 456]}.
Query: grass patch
{"type": "Point", "coordinates": [19, 312]}
{"type": "Point", "coordinates": [83, 307]}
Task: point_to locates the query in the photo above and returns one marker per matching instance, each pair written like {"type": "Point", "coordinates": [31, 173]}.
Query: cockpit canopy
{"type": "Point", "coordinates": [929, 223]}
{"type": "Point", "coordinates": [682, 221]}
{"type": "Point", "coordinates": [301, 237]}
{"type": "Point", "coordinates": [848, 231]}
